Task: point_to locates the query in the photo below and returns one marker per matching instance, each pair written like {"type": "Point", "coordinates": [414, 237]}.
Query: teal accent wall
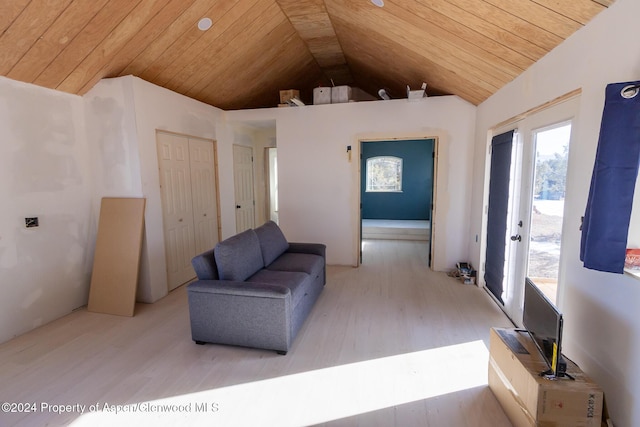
{"type": "Point", "coordinates": [414, 202]}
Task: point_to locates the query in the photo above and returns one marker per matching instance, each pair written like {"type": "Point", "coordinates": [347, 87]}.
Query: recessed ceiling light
{"type": "Point", "coordinates": [378, 3]}
{"type": "Point", "coordinates": [204, 24]}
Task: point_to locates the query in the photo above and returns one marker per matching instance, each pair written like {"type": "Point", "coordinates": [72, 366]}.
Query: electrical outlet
{"type": "Point", "coordinates": [31, 222]}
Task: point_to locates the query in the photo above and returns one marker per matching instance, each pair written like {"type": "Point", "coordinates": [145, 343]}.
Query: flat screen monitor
{"type": "Point", "coordinates": [543, 322]}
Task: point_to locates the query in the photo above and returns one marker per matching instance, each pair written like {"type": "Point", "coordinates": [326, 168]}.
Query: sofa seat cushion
{"type": "Point", "coordinates": [297, 282]}
{"type": "Point", "coordinates": [307, 263]}
{"type": "Point", "coordinates": [239, 257]}
{"type": "Point", "coordinates": [272, 241]}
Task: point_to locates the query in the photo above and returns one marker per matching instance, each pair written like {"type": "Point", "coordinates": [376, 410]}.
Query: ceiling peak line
{"type": "Point", "coordinates": [314, 26]}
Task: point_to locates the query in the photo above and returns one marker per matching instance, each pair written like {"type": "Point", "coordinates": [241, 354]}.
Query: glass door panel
{"type": "Point", "coordinates": [547, 207]}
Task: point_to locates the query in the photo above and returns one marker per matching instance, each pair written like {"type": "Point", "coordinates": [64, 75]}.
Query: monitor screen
{"type": "Point", "coordinates": [543, 321]}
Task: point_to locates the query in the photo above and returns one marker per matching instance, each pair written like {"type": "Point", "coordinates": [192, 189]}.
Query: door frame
{"type": "Point", "coordinates": [434, 187]}
{"type": "Point", "coordinates": [253, 183]}
{"type": "Point", "coordinates": [268, 173]}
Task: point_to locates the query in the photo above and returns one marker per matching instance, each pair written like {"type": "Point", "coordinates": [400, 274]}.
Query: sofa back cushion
{"type": "Point", "coordinates": [239, 257]}
{"type": "Point", "coordinates": [272, 242]}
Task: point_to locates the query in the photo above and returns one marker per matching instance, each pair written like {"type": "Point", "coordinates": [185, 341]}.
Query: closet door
{"type": "Point", "coordinates": [203, 190]}
{"type": "Point", "coordinates": [177, 207]}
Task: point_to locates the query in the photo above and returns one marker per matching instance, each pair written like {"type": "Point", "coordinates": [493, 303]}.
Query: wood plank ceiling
{"type": "Point", "coordinates": [470, 48]}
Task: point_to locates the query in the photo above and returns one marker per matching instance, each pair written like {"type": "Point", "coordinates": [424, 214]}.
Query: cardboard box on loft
{"type": "Point", "coordinates": [530, 400]}
{"type": "Point", "coordinates": [340, 94]}
{"type": "Point", "coordinates": [288, 94]}
{"type": "Point", "coordinates": [321, 95]}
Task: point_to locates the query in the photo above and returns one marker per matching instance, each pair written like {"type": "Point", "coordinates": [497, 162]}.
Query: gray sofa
{"type": "Point", "coordinates": [255, 289]}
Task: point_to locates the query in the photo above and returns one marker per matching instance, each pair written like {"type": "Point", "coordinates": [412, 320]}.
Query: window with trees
{"type": "Point", "coordinates": [551, 174]}
{"type": "Point", "coordinates": [384, 174]}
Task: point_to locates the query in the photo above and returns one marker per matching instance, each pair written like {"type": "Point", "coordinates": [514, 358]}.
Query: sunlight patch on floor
{"type": "Point", "coordinates": [316, 396]}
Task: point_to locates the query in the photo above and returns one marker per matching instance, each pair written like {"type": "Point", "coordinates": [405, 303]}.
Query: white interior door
{"type": "Point", "coordinates": [189, 202]}
{"type": "Point", "coordinates": [203, 190]}
{"type": "Point", "coordinates": [243, 185]}
{"type": "Point", "coordinates": [177, 207]}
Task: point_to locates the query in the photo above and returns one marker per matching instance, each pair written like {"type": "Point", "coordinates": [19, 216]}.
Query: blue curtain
{"type": "Point", "coordinates": [606, 219]}
{"type": "Point", "coordinates": [499, 177]}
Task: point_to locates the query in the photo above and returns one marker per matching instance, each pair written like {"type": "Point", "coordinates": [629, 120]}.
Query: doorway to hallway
{"type": "Point", "coordinates": [397, 184]}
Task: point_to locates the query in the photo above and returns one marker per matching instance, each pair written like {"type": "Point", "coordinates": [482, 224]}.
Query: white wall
{"type": "Point", "coordinates": [319, 188]}
{"type": "Point", "coordinates": [158, 108]}
{"type": "Point", "coordinates": [258, 136]}
{"type": "Point", "coordinates": [124, 114]}
{"type": "Point", "coordinates": [44, 172]}
{"type": "Point", "coordinates": [318, 185]}
{"type": "Point", "coordinates": [602, 331]}
{"type": "Point", "coordinates": [59, 155]}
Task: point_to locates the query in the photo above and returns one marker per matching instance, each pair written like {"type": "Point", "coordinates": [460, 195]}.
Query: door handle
{"type": "Point", "coordinates": [516, 237]}
{"type": "Point", "coordinates": [238, 206]}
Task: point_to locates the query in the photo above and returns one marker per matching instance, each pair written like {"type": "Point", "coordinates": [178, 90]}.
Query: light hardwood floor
{"type": "Point", "coordinates": [390, 343]}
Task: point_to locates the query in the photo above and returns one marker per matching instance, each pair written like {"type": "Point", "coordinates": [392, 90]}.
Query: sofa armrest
{"type": "Point", "coordinates": [240, 313]}
{"type": "Point", "coordinates": [308, 248]}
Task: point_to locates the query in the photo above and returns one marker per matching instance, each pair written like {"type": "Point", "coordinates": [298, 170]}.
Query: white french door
{"type": "Point", "coordinates": [536, 205]}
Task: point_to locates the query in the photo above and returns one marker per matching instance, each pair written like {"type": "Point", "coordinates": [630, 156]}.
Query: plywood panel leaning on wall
{"type": "Point", "coordinates": [117, 257]}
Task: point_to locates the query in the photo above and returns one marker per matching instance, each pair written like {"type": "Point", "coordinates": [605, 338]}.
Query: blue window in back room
{"type": "Point", "coordinates": [397, 179]}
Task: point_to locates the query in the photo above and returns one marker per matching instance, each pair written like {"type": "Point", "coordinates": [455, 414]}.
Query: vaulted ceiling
{"type": "Point", "coordinates": [470, 48]}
